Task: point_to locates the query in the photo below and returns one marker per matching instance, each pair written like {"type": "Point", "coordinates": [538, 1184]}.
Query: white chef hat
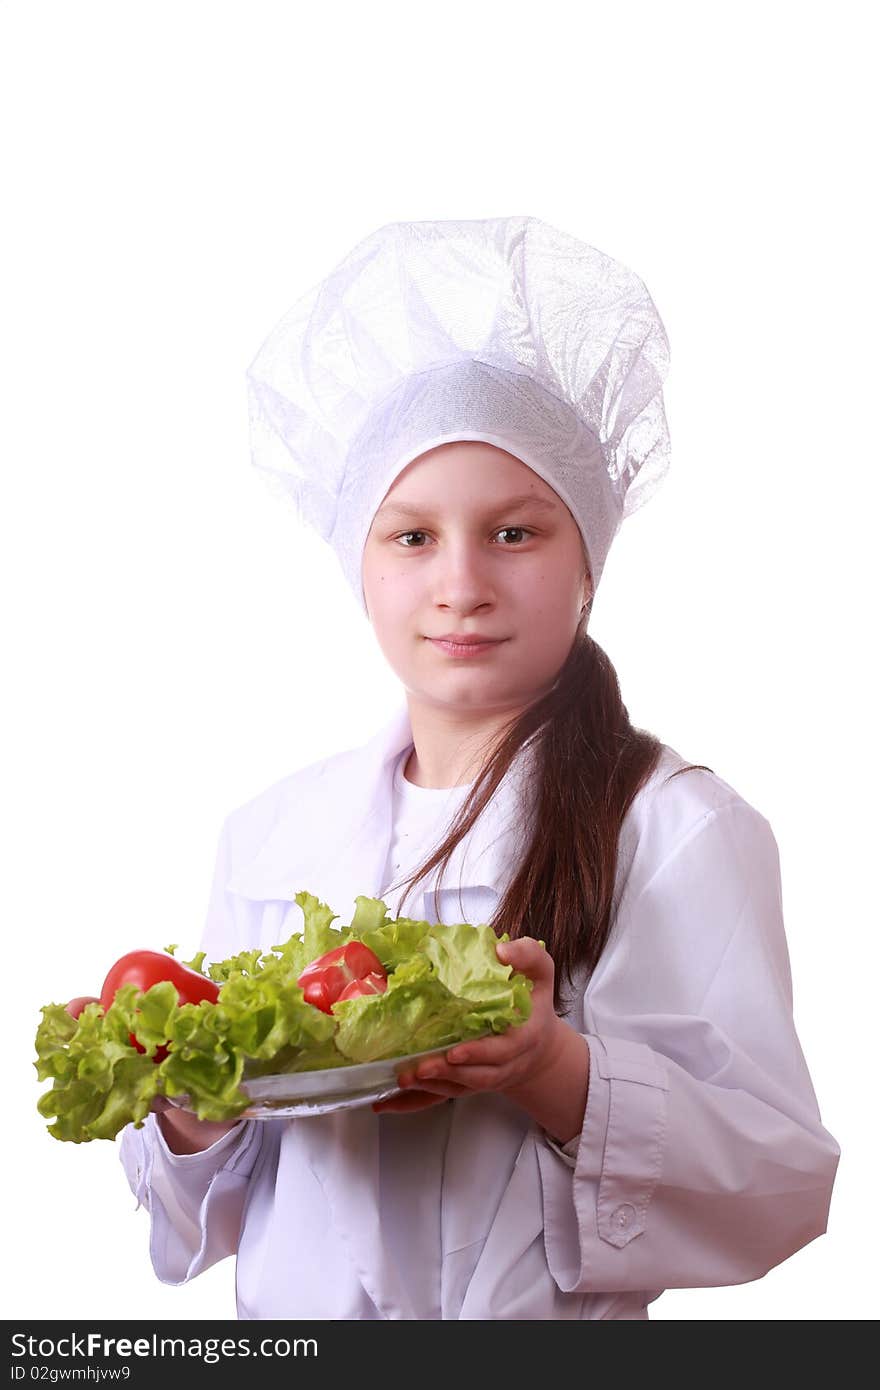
{"type": "Point", "coordinates": [502, 329]}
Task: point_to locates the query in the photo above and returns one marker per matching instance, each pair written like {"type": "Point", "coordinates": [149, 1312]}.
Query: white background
{"type": "Point", "coordinates": [174, 176]}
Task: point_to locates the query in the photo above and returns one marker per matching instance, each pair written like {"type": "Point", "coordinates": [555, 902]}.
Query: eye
{"type": "Point", "coordinates": [523, 530]}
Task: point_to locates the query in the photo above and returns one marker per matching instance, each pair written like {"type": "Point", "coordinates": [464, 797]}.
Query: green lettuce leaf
{"type": "Point", "coordinates": [452, 988]}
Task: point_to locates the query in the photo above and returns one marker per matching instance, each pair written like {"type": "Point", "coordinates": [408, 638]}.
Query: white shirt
{"type": "Point", "coordinates": [420, 817]}
{"type": "Point", "coordinates": [702, 1159]}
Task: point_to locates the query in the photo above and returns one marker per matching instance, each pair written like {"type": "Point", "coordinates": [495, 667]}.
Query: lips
{"type": "Point", "coordinates": [470, 647]}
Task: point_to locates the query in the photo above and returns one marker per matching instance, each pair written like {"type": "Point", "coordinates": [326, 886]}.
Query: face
{"type": "Point", "coordinates": [450, 551]}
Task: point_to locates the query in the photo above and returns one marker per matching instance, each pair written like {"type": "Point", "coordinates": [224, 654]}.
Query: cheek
{"type": "Point", "coordinates": [543, 593]}
{"type": "Point", "coordinates": [558, 587]}
{"type": "Point", "coordinates": [390, 610]}
{"type": "Point", "coordinates": [377, 588]}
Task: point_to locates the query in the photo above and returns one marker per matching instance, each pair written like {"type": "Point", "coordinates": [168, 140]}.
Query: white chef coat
{"type": "Point", "coordinates": [702, 1159]}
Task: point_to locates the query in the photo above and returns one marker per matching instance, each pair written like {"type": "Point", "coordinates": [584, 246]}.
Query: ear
{"type": "Point", "coordinates": [587, 577]}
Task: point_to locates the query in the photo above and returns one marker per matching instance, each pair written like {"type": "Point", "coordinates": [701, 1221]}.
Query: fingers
{"type": "Point", "coordinates": [528, 956]}
{"type": "Point", "coordinates": [488, 1077]}
{"type": "Point", "coordinates": [488, 1063]}
{"type": "Point", "coordinates": [412, 1100]}
{"type": "Point", "coordinates": [489, 1052]}
{"type": "Point", "coordinates": [478, 1073]}
{"type": "Point", "coordinates": [437, 1081]}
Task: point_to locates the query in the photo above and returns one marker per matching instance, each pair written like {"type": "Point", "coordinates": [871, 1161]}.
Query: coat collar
{"type": "Point", "coordinates": [332, 839]}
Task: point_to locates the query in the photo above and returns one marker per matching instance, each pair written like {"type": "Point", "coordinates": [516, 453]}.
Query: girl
{"type": "Point", "coordinates": [466, 411]}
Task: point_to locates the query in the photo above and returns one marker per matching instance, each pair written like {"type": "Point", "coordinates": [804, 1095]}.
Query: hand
{"type": "Point", "coordinates": [183, 1132]}
{"type": "Point", "coordinates": [503, 1062]}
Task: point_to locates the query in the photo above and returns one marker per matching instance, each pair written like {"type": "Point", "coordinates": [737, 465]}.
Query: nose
{"type": "Point", "coordinates": [462, 580]}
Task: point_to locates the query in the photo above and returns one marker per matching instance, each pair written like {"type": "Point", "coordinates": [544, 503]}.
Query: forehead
{"type": "Point", "coordinates": [466, 471]}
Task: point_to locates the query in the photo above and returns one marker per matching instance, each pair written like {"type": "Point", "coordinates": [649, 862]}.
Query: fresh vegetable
{"type": "Point", "coordinates": [373, 983]}
{"type": "Point", "coordinates": [148, 968]}
{"type": "Point", "coordinates": [324, 980]}
{"type": "Point", "coordinates": [248, 1016]}
{"type": "Point", "coordinates": [75, 1006]}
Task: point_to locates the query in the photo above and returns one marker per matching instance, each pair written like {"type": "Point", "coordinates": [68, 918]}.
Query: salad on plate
{"type": "Point", "coordinates": [331, 997]}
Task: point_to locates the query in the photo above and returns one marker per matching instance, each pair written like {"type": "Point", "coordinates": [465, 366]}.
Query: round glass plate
{"type": "Point", "coordinates": [291, 1095]}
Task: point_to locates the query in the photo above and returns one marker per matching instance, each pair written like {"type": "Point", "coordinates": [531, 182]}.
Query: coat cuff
{"type": "Point", "coordinates": [683, 1180]}
{"type": "Point", "coordinates": [613, 1165]}
{"type": "Point", "coordinates": [204, 1158]}
{"type": "Point", "coordinates": [195, 1201]}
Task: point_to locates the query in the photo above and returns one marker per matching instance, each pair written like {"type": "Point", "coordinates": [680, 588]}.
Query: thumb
{"type": "Point", "coordinates": [528, 956]}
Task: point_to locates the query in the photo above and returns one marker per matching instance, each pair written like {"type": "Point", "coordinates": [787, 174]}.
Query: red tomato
{"type": "Point", "coordinates": [319, 993]}
{"type": "Point", "coordinates": [324, 979]}
{"type": "Point", "coordinates": [370, 984]}
{"type": "Point", "coordinates": [75, 1006]}
{"type": "Point", "coordinates": [147, 968]}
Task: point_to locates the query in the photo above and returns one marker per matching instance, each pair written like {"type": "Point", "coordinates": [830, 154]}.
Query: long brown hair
{"type": "Point", "coordinates": [590, 762]}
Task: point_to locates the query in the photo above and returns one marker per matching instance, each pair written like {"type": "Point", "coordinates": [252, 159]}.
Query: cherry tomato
{"type": "Point", "coordinates": [75, 1006]}
{"type": "Point", "coordinates": [148, 968]}
{"type": "Point", "coordinates": [324, 979]}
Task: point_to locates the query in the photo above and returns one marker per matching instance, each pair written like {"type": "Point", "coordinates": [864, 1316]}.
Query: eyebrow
{"type": "Point", "coordinates": [527, 499]}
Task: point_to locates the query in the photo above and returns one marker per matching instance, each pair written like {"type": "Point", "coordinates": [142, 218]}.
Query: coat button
{"type": "Point", "coordinates": [624, 1215]}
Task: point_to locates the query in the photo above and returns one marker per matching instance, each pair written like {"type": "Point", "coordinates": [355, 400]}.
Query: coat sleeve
{"type": "Point", "coordinates": [196, 1201]}
{"type": "Point", "coordinates": [702, 1159]}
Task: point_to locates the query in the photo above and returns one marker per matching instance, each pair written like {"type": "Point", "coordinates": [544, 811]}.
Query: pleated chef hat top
{"type": "Point", "coordinates": [503, 329]}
